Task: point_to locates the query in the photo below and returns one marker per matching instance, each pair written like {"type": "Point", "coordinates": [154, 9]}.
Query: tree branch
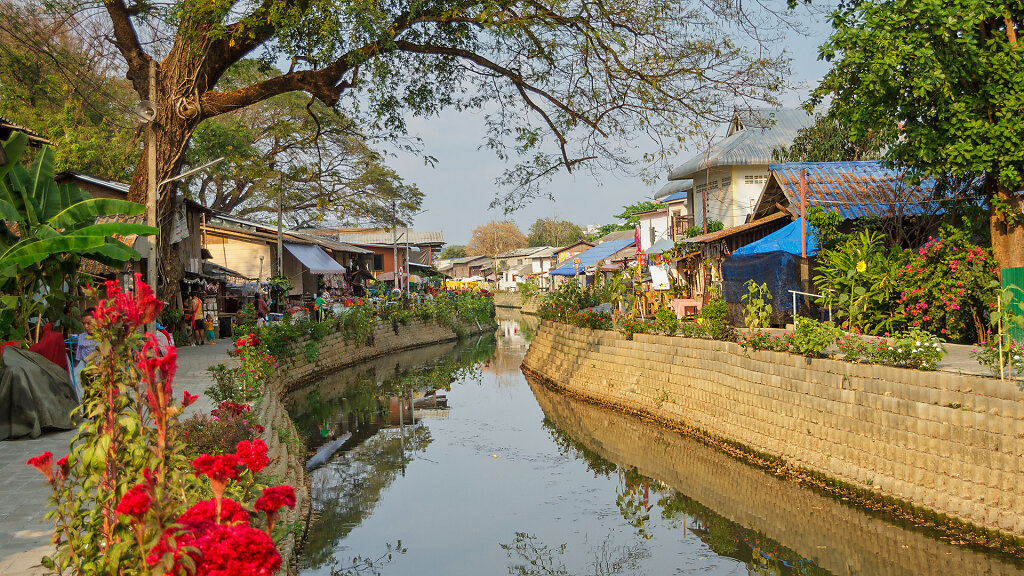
{"type": "Point", "coordinates": [127, 42]}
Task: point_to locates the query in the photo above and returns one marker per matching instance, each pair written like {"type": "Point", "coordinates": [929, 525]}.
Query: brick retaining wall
{"type": "Point", "coordinates": [889, 430]}
{"type": "Point", "coordinates": [841, 539]}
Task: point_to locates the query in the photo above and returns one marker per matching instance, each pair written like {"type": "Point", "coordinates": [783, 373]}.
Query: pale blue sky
{"type": "Point", "coordinates": [459, 188]}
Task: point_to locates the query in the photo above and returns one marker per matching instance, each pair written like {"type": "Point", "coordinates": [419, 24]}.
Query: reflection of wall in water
{"type": "Point", "coordinates": [838, 538]}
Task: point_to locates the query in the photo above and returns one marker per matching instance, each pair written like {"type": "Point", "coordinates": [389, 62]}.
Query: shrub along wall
{"type": "Point", "coordinates": [950, 443]}
{"type": "Point", "coordinates": [284, 445]}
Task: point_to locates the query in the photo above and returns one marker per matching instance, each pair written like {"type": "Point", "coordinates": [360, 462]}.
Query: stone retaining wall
{"type": "Point", "coordinates": [839, 538]}
{"type": "Point", "coordinates": [949, 443]}
{"type": "Point", "coordinates": [285, 447]}
{"type": "Point", "coordinates": [514, 300]}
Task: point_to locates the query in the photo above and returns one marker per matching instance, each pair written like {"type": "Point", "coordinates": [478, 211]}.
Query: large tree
{"type": "Point", "coordinates": [494, 239]}
{"type": "Point", "coordinates": [554, 232]}
{"type": "Point", "coordinates": [940, 82]}
{"type": "Point", "coordinates": [565, 81]}
{"type": "Point", "coordinates": [313, 159]}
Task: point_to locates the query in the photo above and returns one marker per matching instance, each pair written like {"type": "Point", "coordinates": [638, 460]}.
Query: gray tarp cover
{"type": "Point", "coordinates": [34, 394]}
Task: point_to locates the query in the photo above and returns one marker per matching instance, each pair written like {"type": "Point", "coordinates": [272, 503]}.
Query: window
{"type": "Point", "coordinates": [726, 182]}
{"type": "Point", "coordinates": [651, 229]}
{"type": "Point", "coordinates": [378, 261]}
{"type": "Point", "coordinates": [755, 178]}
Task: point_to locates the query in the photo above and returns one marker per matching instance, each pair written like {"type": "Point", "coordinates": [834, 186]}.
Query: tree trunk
{"type": "Point", "coordinates": [1007, 241]}
{"type": "Point", "coordinates": [177, 117]}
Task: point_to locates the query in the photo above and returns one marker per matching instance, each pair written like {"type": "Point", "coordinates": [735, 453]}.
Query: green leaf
{"type": "Point", "coordinates": [87, 211]}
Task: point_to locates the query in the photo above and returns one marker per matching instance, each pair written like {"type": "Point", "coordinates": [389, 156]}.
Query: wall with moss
{"type": "Point", "coordinates": [949, 443]}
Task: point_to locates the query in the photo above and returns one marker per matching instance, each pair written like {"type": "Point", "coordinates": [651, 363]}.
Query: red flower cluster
{"type": "Point", "coordinates": [43, 463]}
{"type": "Point", "coordinates": [275, 497]}
{"type": "Point", "coordinates": [228, 409]}
{"type": "Point", "coordinates": [219, 549]}
{"type": "Point", "coordinates": [206, 511]}
{"type": "Point", "coordinates": [132, 310]}
{"type": "Point", "coordinates": [63, 468]}
{"type": "Point", "coordinates": [188, 399]}
{"type": "Point", "coordinates": [158, 372]}
{"type": "Point", "coordinates": [246, 341]}
{"type": "Point", "coordinates": [135, 502]}
{"type": "Point", "coordinates": [218, 468]}
{"type": "Point", "coordinates": [253, 454]}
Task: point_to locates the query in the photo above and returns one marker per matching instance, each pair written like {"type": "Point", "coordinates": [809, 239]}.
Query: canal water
{"type": "Point", "coordinates": [492, 473]}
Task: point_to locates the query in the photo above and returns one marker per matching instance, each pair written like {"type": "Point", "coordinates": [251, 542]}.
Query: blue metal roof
{"type": "Point", "coordinates": [592, 256]}
{"type": "Point", "coordinates": [675, 197]}
{"type": "Point", "coordinates": [855, 189]}
{"type": "Point", "coordinates": [672, 187]}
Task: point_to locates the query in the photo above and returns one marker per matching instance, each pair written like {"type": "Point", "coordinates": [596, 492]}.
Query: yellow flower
{"type": "Point", "coordinates": [862, 266]}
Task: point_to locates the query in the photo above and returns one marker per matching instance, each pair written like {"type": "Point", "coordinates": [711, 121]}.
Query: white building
{"type": "Point", "coordinates": [671, 219]}
{"type": "Point", "coordinates": [516, 265]}
{"type": "Point", "coordinates": [732, 173]}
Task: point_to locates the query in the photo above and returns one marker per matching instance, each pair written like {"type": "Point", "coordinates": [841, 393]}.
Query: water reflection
{"type": "Point", "coordinates": [520, 479]}
{"type": "Point", "coordinates": [370, 410]}
{"type": "Point", "coordinates": [773, 526]}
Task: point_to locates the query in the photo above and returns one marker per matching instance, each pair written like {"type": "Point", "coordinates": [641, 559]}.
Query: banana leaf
{"type": "Point", "coordinates": [112, 228]}
{"type": "Point", "coordinates": [29, 252]}
{"type": "Point", "coordinates": [14, 147]}
{"type": "Point", "coordinates": [87, 211]}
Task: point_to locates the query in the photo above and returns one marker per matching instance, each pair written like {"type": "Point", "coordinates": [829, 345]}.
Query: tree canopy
{"type": "Point", "coordinates": [829, 140]}
{"type": "Point", "coordinates": [553, 232]}
{"type": "Point", "coordinates": [939, 83]}
{"type": "Point", "coordinates": [453, 251]}
{"type": "Point", "coordinates": [495, 238]}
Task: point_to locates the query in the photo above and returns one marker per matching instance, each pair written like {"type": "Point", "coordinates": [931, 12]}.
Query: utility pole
{"type": "Point", "coordinates": [394, 240]}
{"type": "Point", "coordinates": [151, 187]}
{"type": "Point", "coordinates": [280, 229]}
{"type": "Point", "coordinates": [408, 271]}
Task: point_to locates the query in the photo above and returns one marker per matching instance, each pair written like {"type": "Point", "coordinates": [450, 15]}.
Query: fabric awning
{"type": "Point", "coordinates": [785, 239]}
{"type": "Point", "coordinates": [313, 257]}
{"type": "Point", "coordinates": [592, 256]}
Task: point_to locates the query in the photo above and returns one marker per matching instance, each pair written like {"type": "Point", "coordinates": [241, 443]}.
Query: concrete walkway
{"type": "Point", "coordinates": [24, 531]}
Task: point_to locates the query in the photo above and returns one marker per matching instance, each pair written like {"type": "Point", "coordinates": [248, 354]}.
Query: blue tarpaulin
{"type": "Point", "coordinates": [786, 239]}
{"type": "Point", "coordinates": [592, 256]}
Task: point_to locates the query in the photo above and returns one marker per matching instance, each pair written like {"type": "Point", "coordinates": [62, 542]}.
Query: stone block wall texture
{"type": "Point", "coordinates": [284, 445]}
{"type": "Point", "coordinates": [514, 300]}
{"type": "Point", "coordinates": [949, 443]}
{"type": "Point", "coordinates": [839, 538]}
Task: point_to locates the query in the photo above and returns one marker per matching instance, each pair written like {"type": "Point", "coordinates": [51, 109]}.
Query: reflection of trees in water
{"type": "Point", "coordinates": [724, 537]}
{"type": "Point", "coordinates": [360, 401]}
{"type": "Point", "coordinates": [530, 557]}
{"type": "Point", "coordinates": [347, 490]}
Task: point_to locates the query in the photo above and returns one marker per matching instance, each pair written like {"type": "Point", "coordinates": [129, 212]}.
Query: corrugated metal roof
{"type": "Point", "coordinates": [593, 256]}
{"type": "Point", "coordinates": [387, 238]}
{"type": "Point", "coordinates": [754, 134]}
{"type": "Point", "coordinates": [673, 187]}
{"type": "Point", "coordinates": [727, 232]}
{"type": "Point", "coordinates": [854, 189]}
{"type": "Point", "coordinates": [522, 252]}
{"type": "Point", "coordinates": [332, 244]}
{"type": "Point", "coordinates": [676, 197]}
{"type": "Point", "coordinates": [619, 235]}
{"type": "Point", "coordinates": [6, 126]}
{"type": "Point", "coordinates": [95, 268]}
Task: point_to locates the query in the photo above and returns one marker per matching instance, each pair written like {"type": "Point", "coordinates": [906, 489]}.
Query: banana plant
{"type": "Point", "coordinates": [49, 228]}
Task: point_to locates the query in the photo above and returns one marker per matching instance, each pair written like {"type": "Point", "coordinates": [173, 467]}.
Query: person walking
{"type": "Point", "coordinates": [197, 320]}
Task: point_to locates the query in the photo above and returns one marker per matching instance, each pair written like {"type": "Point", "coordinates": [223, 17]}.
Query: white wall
{"type": "Point", "coordinates": [657, 221]}
{"type": "Point", "coordinates": [731, 201]}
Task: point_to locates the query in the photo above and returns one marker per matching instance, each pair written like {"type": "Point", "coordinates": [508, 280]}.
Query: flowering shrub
{"type": "Point", "coordinates": [944, 287]}
{"type": "Point", "coordinates": [220, 431]}
{"type": "Point", "coordinates": [629, 326]}
{"type": "Point", "coordinates": [243, 383]}
{"type": "Point", "coordinates": [856, 349]}
{"type": "Point", "coordinates": [763, 340]}
{"type": "Point", "coordinates": [987, 354]}
{"type": "Point", "coordinates": [121, 499]}
{"type": "Point", "coordinates": [913, 349]}
{"type": "Point", "coordinates": [666, 321]}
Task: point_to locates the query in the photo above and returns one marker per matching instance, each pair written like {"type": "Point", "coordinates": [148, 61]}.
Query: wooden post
{"type": "Point", "coordinates": [151, 186]}
{"type": "Point", "coordinates": [803, 212]}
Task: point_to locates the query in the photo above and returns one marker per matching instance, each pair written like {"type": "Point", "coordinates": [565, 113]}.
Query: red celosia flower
{"type": "Point", "coordinates": [227, 409]}
{"type": "Point", "coordinates": [223, 550]}
{"type": "Point", "coordinates": [272, 500]}
{"type": "Point", "coordinates": [131, 310]}
{"type": "Point", "coordinates": [43, 463]}
{"type": "Point", "coordinates": [188, 399]}
{"type": "Point", "coordinates": [253, 454]}
{"type": "Point", "coordinates": [135, 501]}
{"type": "Point", "coordinates": [63, 467]}
{"type": "Point", "coordinates": [275, 497]}
{"type": "Point", "coordinates": [158, 371]}
{"type": "Point", "coordinates": [206, 511]}
{"type": "Point", "coordinates": [220, 468]}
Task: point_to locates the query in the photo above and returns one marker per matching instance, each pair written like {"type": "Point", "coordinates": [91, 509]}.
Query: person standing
{"type": "Point", "coordinates": [262, 310]}
{"type": "Point", "coordinates": [197, 320]}
{"type": "Point", "coordinates": [211, 336]}
{"type": "Point", "coordinates": [318, 306]}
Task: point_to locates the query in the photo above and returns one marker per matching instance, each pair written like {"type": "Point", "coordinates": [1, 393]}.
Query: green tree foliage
{"type": "Point", "coordinates": [829, 140]}
{"type": "Point", "coordinates": [48, 229]}
{"type": "Point", "coordinates": [329, 170]}
{"type": "Point", "coordinates": [552, 232]}
{"type": "Point", "coordinates": [453, 251]}
{"type": "Point", "coordinates": [713, 226]}
{"type": "Point", "coordinates": [55, 81]}
{"type": "Point", "coordinates": [628, 217]}
{"type": "Point", "coordinates": [939, 83]}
